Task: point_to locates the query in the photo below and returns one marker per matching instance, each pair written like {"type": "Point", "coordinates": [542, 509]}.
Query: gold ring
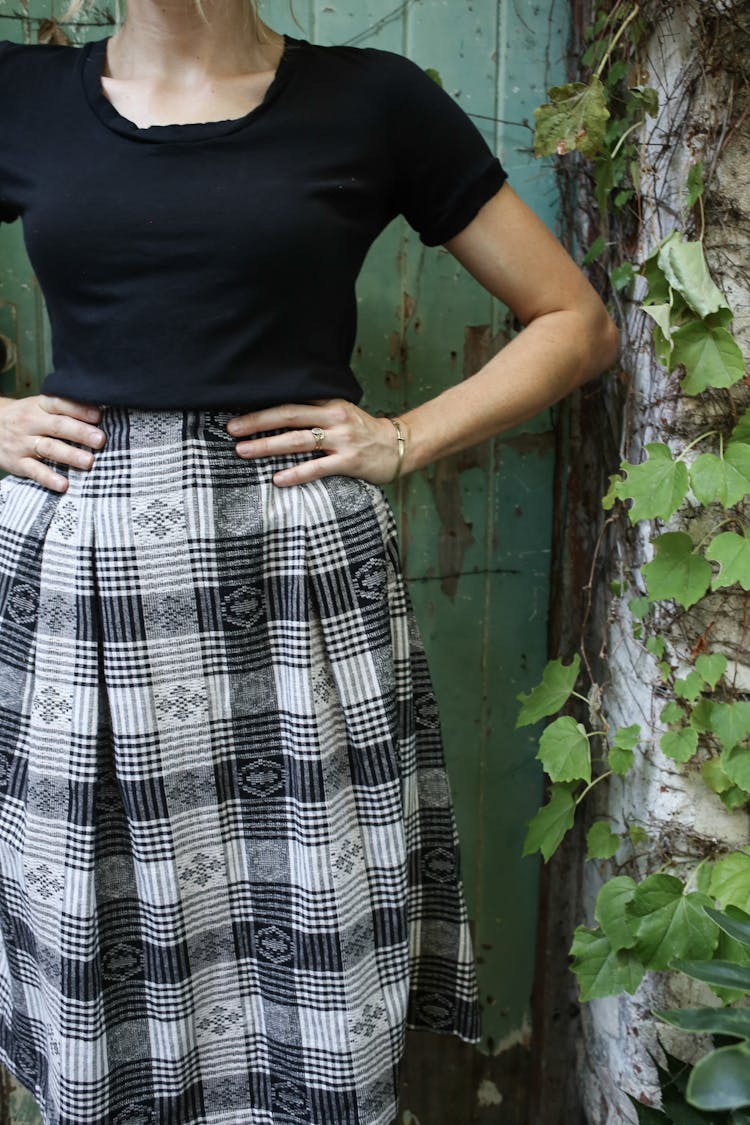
{"type": "Point", "coordinates": [36, 447]}
{"type": "Point", "coordinates": [319, 437]}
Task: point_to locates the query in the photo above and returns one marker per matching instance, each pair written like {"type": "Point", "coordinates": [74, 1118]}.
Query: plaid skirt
{"type": "Point", "coordinates": [229, 871]}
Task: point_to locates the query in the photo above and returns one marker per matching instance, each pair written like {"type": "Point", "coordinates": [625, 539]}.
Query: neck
{"type": "Point", "coordinates": [160, 38]}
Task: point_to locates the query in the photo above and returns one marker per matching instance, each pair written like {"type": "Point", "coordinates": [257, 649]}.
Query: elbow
{"type": "Point", "coordinates": [603, 345]}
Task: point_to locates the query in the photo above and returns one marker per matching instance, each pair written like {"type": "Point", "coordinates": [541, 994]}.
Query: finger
{"type": "Point", "coordinates": [288, 416]}
{"type": "Point", "coordinates": [37, 471]}
{"type": "Point", "coordinates": [278, 445]}
{"type": "Point", "coordinates": [315, 469]}
{"type": "Point", "coordinates": [51, 449]}
{"type": "Point", "coordinates": [57, 404]}
{"type": "Point", "coordinates": [66, 428]}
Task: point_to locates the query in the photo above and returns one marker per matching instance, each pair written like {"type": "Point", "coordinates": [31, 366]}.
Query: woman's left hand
{"type": "Point", "coordinates": [356, 443]}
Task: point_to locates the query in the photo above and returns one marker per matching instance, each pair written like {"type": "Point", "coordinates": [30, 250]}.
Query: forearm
{"type": "Point", "coordinates": [551, 356]}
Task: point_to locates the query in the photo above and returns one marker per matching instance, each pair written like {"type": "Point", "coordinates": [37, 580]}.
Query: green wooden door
{"type": "Point", "coordinates": [475, 530]}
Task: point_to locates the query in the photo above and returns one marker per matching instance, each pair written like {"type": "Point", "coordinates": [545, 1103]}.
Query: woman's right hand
{"type": "Point", "coordinates": [43, 426]}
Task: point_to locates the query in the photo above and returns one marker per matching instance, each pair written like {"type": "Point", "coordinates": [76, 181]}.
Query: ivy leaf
{"type": "Point", "coordinates": [601, 841]}
{"type": "Point", "coordinates": [671, 713]}
{"type": "Point", "coordinates": [734, 798]}
{"type": "Point", "coordinates": [684, 266]}
{"type": "Point", "coordinates": [627, 738]}
{"type": "Point", "coordinates": [621, 276]}
{"type": "Point", "coordinates": [690, 687]}
{"type": "Point", "coordinates": [661, 313]}
{"type": "Point", "coordinates": [601, 970]}
{"type": "Point", "coordinates": [679, 745]}
{"type": "Point", "coordinates": [730, 880]}
{"type": "Point", "coordinates": [710, 355]}
{"type": "Point", "coordinates": [657, 487]}
{"type": "Point", "coordinates": [741, 431]}
{"type": "Point", "coordinates": [700, 716]}
{"type": "Point", "coordinates": [620, 760]}
{"type": "Point", "coordinates": [670, 923]}
{"type": "Point", "coordinates": [711, 667]}
{"type": "Point", "coordinates": [732, 553]}
{"type": "Point", "coordinates": [714, 776]}
{"type": "Point", "coordinates": [721, 1079]}
{"type": "Point", "coordinates": [677, 571]}
{"type": "Point", "coordinates": [575, 117]}
{"type": "Point", "coordinates": [695, 183]}
{"type": "Point", "coordinates": [637, 833]}
{"type": "Point", "coordinates": [639, 607]}
{"type": "Point", "coordinates": [730, 722]}
{"type": "Point", "coordinates": [434, 75]}
{"type": "Point", "coordinates": [656, 646]}
{"type": "Point", "coordinates": [558, 681]}
{"type": "Point", "coordinates": [564, 750]}
{"type": "Point", "coordinates": [549, 825]}
{"type": "Point", "coordinates": [722, 479]}
{"type": "Point", "coordinates": [611, 901]}
{"type": "Point", "coordinates": [594, 251]}
{"type": "Point", "coordinates": [736, 765]}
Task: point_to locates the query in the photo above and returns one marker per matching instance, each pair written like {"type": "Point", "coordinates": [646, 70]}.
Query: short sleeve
{"type": "Point", "coordinates": [445, 170]}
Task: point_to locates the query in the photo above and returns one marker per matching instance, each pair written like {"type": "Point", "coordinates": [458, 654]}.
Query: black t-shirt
{"type": "Point", "coordinates": [214, 264]}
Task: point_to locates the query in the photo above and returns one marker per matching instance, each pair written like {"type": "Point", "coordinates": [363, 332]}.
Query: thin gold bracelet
{"type": "Point", "coordinates": [401, 447]}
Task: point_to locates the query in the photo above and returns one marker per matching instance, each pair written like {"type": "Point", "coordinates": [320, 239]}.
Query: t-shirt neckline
{"type": "Point", "coordinates": [94, 54]}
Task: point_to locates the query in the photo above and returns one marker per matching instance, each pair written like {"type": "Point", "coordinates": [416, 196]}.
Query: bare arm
{"type": "Point", "coordinates": [568, 338]}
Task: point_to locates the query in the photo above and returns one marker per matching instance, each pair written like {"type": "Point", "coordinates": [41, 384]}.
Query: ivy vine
{"type": "Point", "coordinates": [697, 924]}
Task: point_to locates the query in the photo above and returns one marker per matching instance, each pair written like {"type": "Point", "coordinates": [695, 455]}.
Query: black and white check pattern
{"type": "Point", "coordinates": [229, 873]}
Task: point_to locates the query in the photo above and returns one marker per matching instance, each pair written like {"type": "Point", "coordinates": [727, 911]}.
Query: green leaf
{"type": "Point", "coordinates": [558, 681]}
{"type": "Point", "coordinates": [724, 480]}
{"type": "Point", "coordinates": [611, 901]}
{"type": "Point", "coordinates": [711, 666]}
{"type": "Point", "coordinates": [725, 974]}
{"type": "Point", "coordinates": [601, 841]}
{"type": "Point", "coordinates": [721, 1079]}
{"type": "Point", "coordinates": [621, 276]}
{"type": "Point", "coordinates": [594, 251]}
{"type": "Point", "coordinates": [741, 431]}
{"type": "Point", "coordinates": [677, 572]}
{"type": "Point", "coordinates": [690, 687]}
{"type": "Point", "coordinates": [656, 646]}
{"type": "Point", "coordinates": [714, 776]}
{"type": "Point", "coordinates": [684, 266]}
{"type": "Point", "coordinates": [695, 183]}
{"type": "Point", "coordinates": [728, 949]}
{"type": "Point", "coordinates": [710, 356]}
{"type": "Point", "coordinates": [671, 713]}
{"type": "Point", "coordinates": [670, 923]}
{"type": "Point", "coordinates": [564, 750]}
{"type": "Point", "coordinates": [601, 970]}
{"type": "Point", "coordinates": [627, 738]}
{"type": "Point", "coordinates": [620, 760]}
{"type": "Point", "coordinates": [730, 880]}
{"type": "Point", "coordinates": [730, 722]}
{"type": "Point", "coordinates": [434, 75]}
{"type": "Point", "coordinates": [637, 833]}
{"type": "Point", "coordinates": [547, 828]}
{"type": "Point", "coordinates": [716, 1021]}
{"type": "Point", "coordinates": [734, 798]}
{"type": "Point", "coordinates": [700, 716]}
{"type": "Point", "coordinates": [657, 487]}
{"type": "Point", "coordinates": [734, 922]}
{"type": "Point", "coordinates": [736, 765]}
{"type": "Point", "coordinates": [679, 745]}
{"type": "Point", "coordinates": [574, 118]}
{"type": "Point", "coordinates": [732, 553]}
{"type": "Point", "coordinates": [639, 607]}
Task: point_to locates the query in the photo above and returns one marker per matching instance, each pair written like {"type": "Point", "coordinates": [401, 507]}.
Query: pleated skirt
{"type": "Point", "coordinates": [229, 869]}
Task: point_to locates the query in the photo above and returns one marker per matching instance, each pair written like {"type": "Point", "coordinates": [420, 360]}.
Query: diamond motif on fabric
{"type": "Point", "coordinates": [122, 962]}
{"type": "Point", "coordinates": [22, 604]}
{"type": "Point", "coordinates": [439, 865]}
{"type": "Point", "coordinates": [436, 1009]}
{"type": "Point", "coordinates": [56, 613]}
{"type": "Point", "coordinates": [370, 580]}
{"type": "Point", "coordinates": [45, 882]}
{"type": "Point", "coordinates": [46, 796]}
{"type": "Point", "coordinates": [427, 714]}
{"type": "Point", "coordinates": [201, 870]}
{"type": "Point", "coordinates": [243, 606]}
{"type": "Point", "coordinates": [135, 1113]}
{"type": "Point", "coordinates": [172, 612]}
{"type": "Point", "coordinates": [368, 1021]}
{"type": "Point", "coordinates": [348, 856]}
{"type": "Point", "coordinates": [50, 704]}
{"type": "Point", "coordinates": [157, 518]}
{"type": "Point", "coordinates": [290, 1098]}
{"type": "Point", "coordinates": [323, 685]}
{"type": "Point", "coordinates": [4, 769]}
{"type": "Point", "coordinates": [188, 788]}
{"type": "Point", "coordinates": [275, 945]}
{"type": "Point", "coordinates": [219, 1020]}
{"type": "Point", "coordinates": [262, 778]}
{"type": "Point", "coordinates": [180, 701]}
{"type": "Point", "coordinates": [65, 519]}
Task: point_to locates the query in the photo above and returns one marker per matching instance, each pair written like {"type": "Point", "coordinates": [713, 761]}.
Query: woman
{"type": "Point", "coordinates": [228, 868]}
